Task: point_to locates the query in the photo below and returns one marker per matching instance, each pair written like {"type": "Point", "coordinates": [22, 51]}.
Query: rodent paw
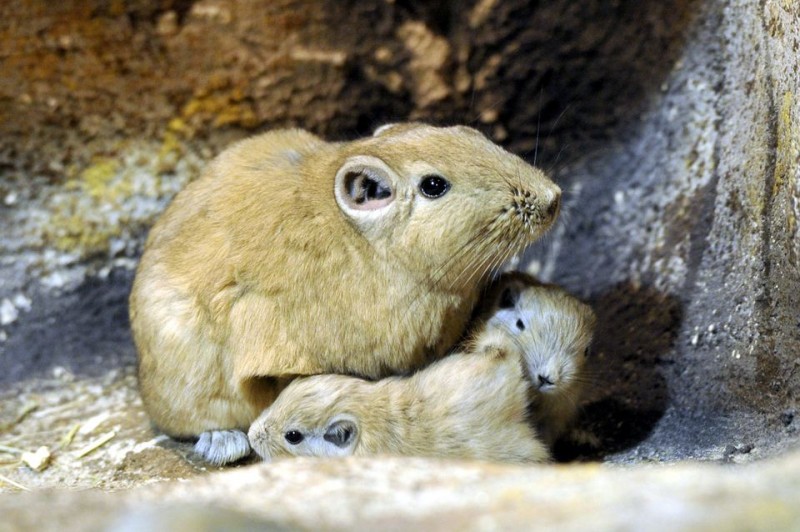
{"type": "Point", "coordinates": [220, 447]}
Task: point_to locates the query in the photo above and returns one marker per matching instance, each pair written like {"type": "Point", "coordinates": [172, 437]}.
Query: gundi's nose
{"type": "Point", "coordinates": [544, 380]}
{"type": "Point", "coordinates": [554, 197]}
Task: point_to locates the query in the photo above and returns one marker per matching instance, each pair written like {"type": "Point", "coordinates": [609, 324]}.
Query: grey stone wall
{"type": "Point", "coordinates": [684, 233]}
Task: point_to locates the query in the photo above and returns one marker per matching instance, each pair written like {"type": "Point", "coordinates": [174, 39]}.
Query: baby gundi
{"type": "Point", "coordinates": [294, 256]}
{"type": "Point", "coordinates": [473, 404]}
{"type": "Point", "coordinates": [553, 330]}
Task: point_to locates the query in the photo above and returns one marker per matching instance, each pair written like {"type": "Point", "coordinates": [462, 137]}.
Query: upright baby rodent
{"type": "Point", "coordinates": [521, 368]}
{"type": "Point", "coordinates": [554, 331]}
{"type": "Point", "coordinates": [467, 405]}
{"type": "Point", "coordinates": [294, 256]}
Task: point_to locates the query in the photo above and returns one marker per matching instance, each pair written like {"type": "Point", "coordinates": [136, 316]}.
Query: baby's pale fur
{"type": "Point", "coordinates": [258, 272]}
{"type": "Point", "coordinates": [467, 405]}
{"type": "Point", "coordinates": [475, 403]}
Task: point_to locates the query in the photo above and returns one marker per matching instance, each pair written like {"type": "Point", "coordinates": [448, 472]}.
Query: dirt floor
{"type": "Point", "coordinates": [95, 431]}
{"type": "Point", "coordinates": [100, 443]}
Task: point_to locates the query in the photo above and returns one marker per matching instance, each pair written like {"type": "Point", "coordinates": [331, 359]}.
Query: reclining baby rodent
{"type": "Point", "coordinates": [294, 256]}
{"type": "Point", "coordinates": [506, 396]}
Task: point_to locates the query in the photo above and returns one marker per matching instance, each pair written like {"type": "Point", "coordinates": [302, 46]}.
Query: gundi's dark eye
{"type": "Point", "coordinates": [520, 325]}
{"type": "Point", "coordinates": [434, 186]}
{"type": "Point", "coordinates": [294, 436]}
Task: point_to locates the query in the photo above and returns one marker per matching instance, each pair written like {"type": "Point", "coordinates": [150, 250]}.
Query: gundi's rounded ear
{"type": "Point", "coordinates": [509, 296]}
{"type": "Point", "coordinates": [342, 432]}
{"type": "Point", "coordinates": [364, 184]}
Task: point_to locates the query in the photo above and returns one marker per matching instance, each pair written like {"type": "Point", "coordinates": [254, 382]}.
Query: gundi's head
{"type": "Point", "coordinates": [447, 200]}
{"type": "Point", "coordinates": [311, 417]}
{"type": "Point", "coordinates": [552, 330]}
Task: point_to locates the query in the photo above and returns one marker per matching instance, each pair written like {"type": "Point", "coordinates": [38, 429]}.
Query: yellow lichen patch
{"type": "Point", "coordinates": [71, 232]}
{"type": "Point", "coordinates": [787, 145]}
{"type": "Point", "coordinates": [236, 114]}
{"type": "Point", "coordinates": [96, 178]}
{"type": "Point", "coordinates": [177, 125]}
{"type": "Point", "coordinates": [74, 225]}
{"type": "Point", "coordinates": [113, 196]}
{"type": "Point", "coordinates": [171, 148]}
{"type": "Point", "coordinates": [107, 182]}
{"type": "Point", "coordinates": [218, 105]}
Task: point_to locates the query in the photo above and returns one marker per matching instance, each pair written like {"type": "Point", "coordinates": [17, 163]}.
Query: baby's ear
{"type": "Point", "coordinates": [342, 432]}
{"type": "Point", "coordinates": [509, 296]}
{"type": "Point", "coordinates": [364, 184]}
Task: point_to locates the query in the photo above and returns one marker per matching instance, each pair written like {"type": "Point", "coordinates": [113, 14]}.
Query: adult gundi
{"type": "Point", "coordinates": [293, 256]}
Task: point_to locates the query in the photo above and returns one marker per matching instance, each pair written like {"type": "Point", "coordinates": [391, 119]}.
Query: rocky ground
{"type": "Point", "coordinates": [109, 470]}
{"type": "Point", "coordinates": [94, 432]}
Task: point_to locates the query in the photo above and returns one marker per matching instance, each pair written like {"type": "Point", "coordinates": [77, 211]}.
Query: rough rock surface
{"type": "Point", "coordinates": [415, 494]}
{"type": "Point", "coordinates": [95, 433]}
{"type": "Point", "coordinates": [674, 126]}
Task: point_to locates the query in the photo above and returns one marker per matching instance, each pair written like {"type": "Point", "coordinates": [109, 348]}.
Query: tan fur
{"type": "Point", "coordinates": [255, 274]}
{"type": "Point", "coordinates": [467, 405]}
{"type": "Point", "coordinates": [557, 333]}
{"type": "Point", "coordinates": [481, 402]}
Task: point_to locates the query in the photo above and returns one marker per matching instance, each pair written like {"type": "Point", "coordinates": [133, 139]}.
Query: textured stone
{"type": "Point", "coordinates": [698, 200]}
{"type": "Point", "coordinates": [403, 494]}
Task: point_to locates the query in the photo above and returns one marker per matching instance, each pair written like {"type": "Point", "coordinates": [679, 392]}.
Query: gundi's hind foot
{"type": "Point", "coordinates": [220, 447]}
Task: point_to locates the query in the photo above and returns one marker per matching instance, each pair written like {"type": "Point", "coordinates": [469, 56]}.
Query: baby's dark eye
{"type": "Point", "coordinates": [586, 352]}
{"type": "Point", "coordinates": [434, 186]}
{"type": "Point", "coordinates": [294, 436]}
{"type": "Point", "coordinates": [520, 325]}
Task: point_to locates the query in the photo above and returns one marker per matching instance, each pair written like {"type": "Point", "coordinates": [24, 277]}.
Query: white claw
{"type": "Point", "coordinates": [220, 447]}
